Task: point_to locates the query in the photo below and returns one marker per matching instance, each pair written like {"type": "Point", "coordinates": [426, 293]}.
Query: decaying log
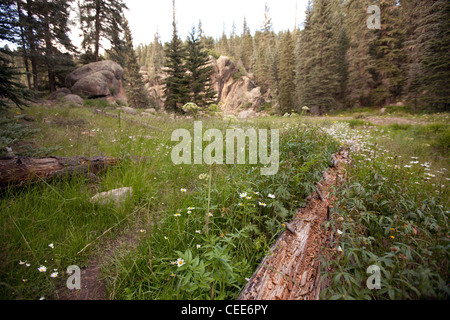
{"type": "Point", "coordinates": [17, 171]}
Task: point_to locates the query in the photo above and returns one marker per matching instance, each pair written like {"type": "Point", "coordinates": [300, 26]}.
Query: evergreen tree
{"type": "Point", "coordinates": [361, 64]}
{"type": "Point", "coordinates": [177, 82]}
{"type": "Point", "coordinates": [430, 65]}
{"type": "Point", "coordinates": [100, 19]}
{"type": "Point", "coordinates": [246, 46]}
{"type": "Point", "coordinates": [318, 63]}
{"type": "Point", "coordinates": [200, 72]}
{"type": "Point", "coordinates": [287, 87]}
{"type": "Point", "coordinates": [134, 86]}
{"type": "Point", "coordinates": [11, 90]}
{"type": "Point", "coordinates": [389, 56]}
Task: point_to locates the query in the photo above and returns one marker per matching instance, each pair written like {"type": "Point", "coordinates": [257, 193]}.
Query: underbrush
{"type": "Point", "coordinates": [391, 213]}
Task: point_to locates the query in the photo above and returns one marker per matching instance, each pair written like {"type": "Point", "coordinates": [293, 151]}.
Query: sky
{"type": "Point", "coordinates": [146, 17]}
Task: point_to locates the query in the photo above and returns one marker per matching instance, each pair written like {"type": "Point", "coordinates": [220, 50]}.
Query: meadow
{"type": "Point", "coordinates": [198, 232]}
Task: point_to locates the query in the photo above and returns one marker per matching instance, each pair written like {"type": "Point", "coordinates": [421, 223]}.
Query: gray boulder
{"type": "Point", "coordinates": [58, 94]}
{"type": "Point", "coordinates": [73, 99]}
{"type": "Point", "coordinates": [97, 79]}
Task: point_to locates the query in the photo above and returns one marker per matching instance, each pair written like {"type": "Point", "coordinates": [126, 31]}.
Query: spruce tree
{"type": "Point", "coordinates": [100, 19]}
{"type": "Point", "coordinates": [177, 82]}
{"type": "Point", "coordinates": [11, 89]}
{"type": "Point", "coordinates": [318, 65]}
{"type": "Point", "coordinates": [134, 86]}
{"type": "Point", "coordinates": [200, 72]}
{"type": "Point", "coordinates": [432, 66]}
{"type": "Point", "coordinates": [287, 87]}
{"type": "Point", "coordinates": [361, 64]}
{"type": "Point", "coordinates": [389, 55]}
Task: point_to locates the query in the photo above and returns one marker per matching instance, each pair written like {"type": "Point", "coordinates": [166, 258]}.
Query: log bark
{"type": "Point", "coordinates": [18, 171]}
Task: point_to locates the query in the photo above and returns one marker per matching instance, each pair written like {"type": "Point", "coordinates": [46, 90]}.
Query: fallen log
{"type": "Point", "coordinates": [18, 171]}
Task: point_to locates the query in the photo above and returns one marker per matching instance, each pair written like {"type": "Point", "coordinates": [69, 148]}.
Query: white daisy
{"type": "Point", "coordinates": [42, 269]}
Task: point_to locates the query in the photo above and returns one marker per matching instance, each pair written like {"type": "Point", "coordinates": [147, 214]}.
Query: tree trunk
{"type": "Point", "coordinates": [97, 29]}
{"type": "Point", "coordinates": [24, 48]}
{"type": "Point", "coordinates": [32, 44]}
{"type": "Point", "coordinates": [17, 171]}
{"type": "Point", "coordinates": [48, 52]}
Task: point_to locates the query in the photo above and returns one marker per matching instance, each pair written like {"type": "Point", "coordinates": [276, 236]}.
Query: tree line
{"type": "Point", "coordinates": [336, 61]}
{"type": "Point", "coordinates": [333, 61]}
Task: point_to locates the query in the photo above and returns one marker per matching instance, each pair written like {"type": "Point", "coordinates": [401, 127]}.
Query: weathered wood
{"type": "Point", "coordinates": [17, 171]}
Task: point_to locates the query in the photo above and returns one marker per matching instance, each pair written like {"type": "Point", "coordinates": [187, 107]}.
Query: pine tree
{"type": "Point", "coordinates": [11, 90]}
{"type": "Point", "coordinates": [246, 46]}
{"type": "Point", "coordinates": [134, 86]}
{"type": "Point", "coordinates": [177, 83]}
{"type": "Point", "coordinates": [319, 56]}
{"type": "Point", "coordinates": [389, 56]}
{"type": "Point", "coordinates": [287, 87]}
{"type": "Point", "coordinates": [361, 66]}
{"type": "Point", "coordinates": [200, 72]}
{"type": "Point", "coordinates": [100, 19]}
{"type": "Point", "coordinates": [430, 65]}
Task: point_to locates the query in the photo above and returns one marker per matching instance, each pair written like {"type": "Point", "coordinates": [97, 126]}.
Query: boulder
{"type": "Point", "coordinates": [246, 114]}
{"type": "Point", "coordinates": [58, 94]}
{"type": "Point", "coordinates": [97, 79]}
{"type": "Point", "coordinates": [129, 110]}
{"type": "Point", "coordinates": [73, 99]}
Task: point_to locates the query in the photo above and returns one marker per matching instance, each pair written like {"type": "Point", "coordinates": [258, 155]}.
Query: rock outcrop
{"type": "Point", "coordinates": [236, 91]}
{"type": "Point", "coordinates": [98, 79]}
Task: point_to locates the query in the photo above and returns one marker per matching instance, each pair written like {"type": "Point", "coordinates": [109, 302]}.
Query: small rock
{"type": "Point", "coordinates": [73, 99]}
{"type": "Point", "coordinates": [117, 196]}
{"type": "Point", "coordinates": [129, 110]}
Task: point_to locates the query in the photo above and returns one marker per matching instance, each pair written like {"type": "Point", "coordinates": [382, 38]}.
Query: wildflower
{"type": "Point", "coordinates": [191, 208]}
{"type": "Point", "coordinates": [24, 280]}
{"type": "Point", "coordinates": [284, 225]}
{"type": "Point", "coordinates": [262, 204]}
{"type": "Point", "coordinates": [249, 198]}
{"type": "Point", "coordinates": [180, 262]}
{"type": "Point", "coordinates": [21, 262]}
{"type": "Point", "coordinates": [408, 166]}
{"type": "Point", "coordinates": [243, 195]}
{"type": "Point", "coordinates": [198, 231]}
{"type": "Point", "coordinates": [199, 246]}
{"type": "Point", "coordinates": [340, 232]}
{"type": "Point", "coordinates": [189, 212]}
{"type": "Point", "coordinates": [28, 265]}
{"type": "Point", "coordinates": [42, 269]}
{"type": "Point", "coordinates": [392, 237]}
{"type": "Point", "coordinates": [42, 298]}
{"type": "Point", "coordinates": [166, 238]}
{"type": "Point", "coordinates": [271, 196]}
{"type": "Point", "coordinates": [183, 190]}
{"type": "Point", "coordinates": [210, 215]}
{"type": "Point", "coordinates": [51, 245]}
{"type": "Point", "coordinates": [241, 205]}
{"type": "Point", "coordinates": [142, 231]}
{"type": "Point", "coordinates": [173, 275]}
{"type": "Point", "coordinates": [256, 193]}
{"type": "Point", "coordinates": [54, 275]}
{"type": "Point", "coordinates": [177, 215]}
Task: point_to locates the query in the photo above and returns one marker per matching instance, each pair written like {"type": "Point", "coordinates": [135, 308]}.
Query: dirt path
{"type": "Point", "coordinates": [291, 270]}
{"type": "Point", "coordinates": [92, 282]}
